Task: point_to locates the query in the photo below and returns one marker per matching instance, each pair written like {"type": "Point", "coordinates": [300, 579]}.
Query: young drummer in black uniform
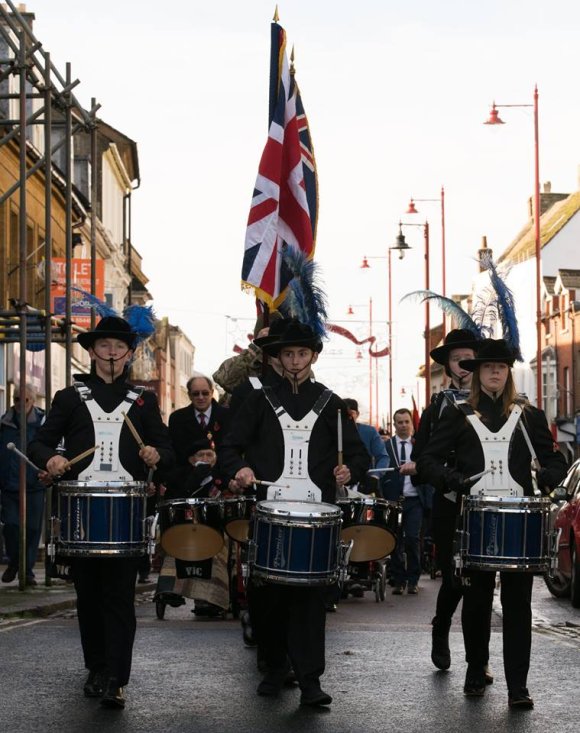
{"type": "Point", "coordinates": [291, 626]}
{"type": "Point", "coordinates": [460, 343]}
{"type": "Point", "coordinates": [494, 409]}
{"type": "Point", "coordinates": [105, 587]}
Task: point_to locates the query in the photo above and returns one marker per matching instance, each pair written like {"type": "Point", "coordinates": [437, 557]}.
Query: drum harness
{"type": "Point", "coordinates": [497, 481]}
{"type": "Point", "coordinates": [105, 465]}
{"type": "Point", "coordinates": [296, 435]}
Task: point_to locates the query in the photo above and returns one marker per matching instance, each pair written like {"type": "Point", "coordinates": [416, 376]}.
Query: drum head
{"type": "Point", "coordinates": [192, 542]}
{"type": "Point", "coordinates": [370, 543]}
{"type": "Point", "coordinates": [298, 509]}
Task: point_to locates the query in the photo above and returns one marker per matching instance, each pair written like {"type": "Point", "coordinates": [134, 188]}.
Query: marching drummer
{"type": "Point", "coordinates": [494, 428]}
{"type": "Point", "coordinates": [295, 421]}
{"type": "Point", "coordinates": [91, 413]}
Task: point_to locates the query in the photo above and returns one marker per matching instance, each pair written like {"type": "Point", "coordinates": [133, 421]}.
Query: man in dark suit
{"type": "Point", "coordinates": [414, 500]}
{"type": "Point", "coordinates": [203, 419]}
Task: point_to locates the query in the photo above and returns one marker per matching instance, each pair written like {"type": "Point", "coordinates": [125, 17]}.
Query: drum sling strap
{"type": "Point", "coordinates": [496, 448]}
{"type": "Point", "coordinates": [106, 465]}
{"type": "Point", "coordinates": [296, 435]}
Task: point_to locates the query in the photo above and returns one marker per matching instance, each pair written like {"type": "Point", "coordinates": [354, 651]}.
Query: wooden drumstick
{"type": "Point", "coordinates": [80, 457]}
{"type": "Point", "coordinates": [140, 443]}
{"type": "Point", "coordinates": [133, 430]}
{"type": "Point", "coordinates": [339, 438]}
{"type": "Point", "coordinates": [270, 483]}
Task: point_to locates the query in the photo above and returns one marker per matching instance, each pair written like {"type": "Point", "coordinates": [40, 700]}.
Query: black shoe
{"type": "Point", "coordinates": [330, 607]}
{"type": "Point", "coordinates": [94, 684]}
{"type": "Point", "coordinates": [273, 681]}
{"type": "Point", "coordinates": [30, 580]}
{"type": "Point", "coordinates": [440, 652]}
{"type": "Point", "coordinates": [314, 696]}
{"type": "Point", "coordinates": [398, 590]}
{"type": "Point", "coordinates": [9, 574]}
{"type": "Point", "coordinates": [520, 699]}
{"type": "Point", "coordinates": [413, 590]}
{"type": "Point", "coordinates": [474, 683]}
{"type": "Point", "coordinates": [488, 675]}
{"type": "Point", "coordinates": [357, 591]}
{"type": "Point", "coordinates": [113, 696]}
{"type": "Point", "coordinates": [144, 579]}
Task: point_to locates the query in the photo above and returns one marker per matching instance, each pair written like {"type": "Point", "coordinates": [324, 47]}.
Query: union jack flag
{"type": "Point", "coordinates": [285, 200]}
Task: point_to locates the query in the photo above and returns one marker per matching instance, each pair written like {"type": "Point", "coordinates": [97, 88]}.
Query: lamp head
{"type": "Point", "coordinates": [400, 245]}
{"type": "Point", "coordinates": [494, 118]}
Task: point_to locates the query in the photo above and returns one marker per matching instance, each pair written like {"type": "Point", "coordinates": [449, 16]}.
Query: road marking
{"type": "Point", "coordinates": [21, 624]}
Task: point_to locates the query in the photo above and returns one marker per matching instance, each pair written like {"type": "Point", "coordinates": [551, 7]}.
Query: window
{"type": "Point", "coordinates": [567, 392]}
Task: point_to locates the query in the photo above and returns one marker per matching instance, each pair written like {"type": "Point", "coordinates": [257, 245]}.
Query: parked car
{"type": "Point", "coordinates": [565, 581]}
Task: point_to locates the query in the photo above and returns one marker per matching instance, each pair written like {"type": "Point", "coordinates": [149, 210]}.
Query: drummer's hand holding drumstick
{"type": "Point", "coordinates": [56, 466]}
{"type": "Point", "coordinates": [243, 478]}
{"type": "Point", "coordinates": [149, 456]}
{"type": "Point", "coordinates": [342, 474]}
{"type": "Point", "coordinates": [408, 469]}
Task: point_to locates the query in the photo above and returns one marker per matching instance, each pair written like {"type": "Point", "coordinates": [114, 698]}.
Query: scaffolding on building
{"type": "Point", "coordinates": [39, 117]}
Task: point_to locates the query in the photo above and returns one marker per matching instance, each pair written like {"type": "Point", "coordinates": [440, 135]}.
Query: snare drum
{"type": "Point", "coordinates": [506, 533]}
{"type": "Point", "coordinates": [296, 542]}
{"type": "Point", "coordinates": [100, 518]}
{"type": "Point", "coordinates": [372, 524]}
{"type": "Point", "coordinates": [237, 513]}
{"type": "Point", "coordinates": [191, 528]}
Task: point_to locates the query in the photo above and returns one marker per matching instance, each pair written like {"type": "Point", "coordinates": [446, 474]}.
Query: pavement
{"type": "Point", "coordinates": [42, 600]}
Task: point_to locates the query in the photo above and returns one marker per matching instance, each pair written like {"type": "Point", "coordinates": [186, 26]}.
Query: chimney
{"type": "Point", "coordinates": [483, 250]}
{"type": "Point", "coordinates": [547, 199]}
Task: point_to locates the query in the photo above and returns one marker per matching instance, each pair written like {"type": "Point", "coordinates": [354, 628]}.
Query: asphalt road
{"type": "Point", "coordinates": [195, 675]}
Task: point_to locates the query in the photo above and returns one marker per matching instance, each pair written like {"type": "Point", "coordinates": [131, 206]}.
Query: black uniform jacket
{"type": "Point", "coordinates": [255, 439]}
{"type": "Point", "coordinates": [454, 433]}
{"type": "Point", "coordinates": [184, 429]}
{"type": "Point", "coordinates": [427, 425]}
{"type": "Point", "coordinates": [270, 378]}
{"type": "Point", "coordinates": [70, 419]}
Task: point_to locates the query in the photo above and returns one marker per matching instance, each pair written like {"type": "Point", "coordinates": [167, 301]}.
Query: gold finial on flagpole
{"type": "Point", "coordinates": [292, 70]}
{"type": "Point", "coordinates": [276, 17]}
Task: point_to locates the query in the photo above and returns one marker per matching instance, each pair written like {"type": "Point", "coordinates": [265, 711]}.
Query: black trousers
{"type": "Point", "coordinates": [289, 623]}
{"type": "Point", "coordinates": [106, 612]}
{"type": "Point", "coordinates": [516, 602]}
{"type": "Point", "coordinates": [450, 591]}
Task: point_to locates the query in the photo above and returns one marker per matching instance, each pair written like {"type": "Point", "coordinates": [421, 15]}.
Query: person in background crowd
{"type": "Point", "coordinates": [10, 483]}
{"type": "Point", "coordinates": [373, 443]}
{"type": "Point", "coordinates": [406, 559]}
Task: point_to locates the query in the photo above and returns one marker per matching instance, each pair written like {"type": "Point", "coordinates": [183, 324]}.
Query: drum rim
{"type": "Point", "coordinates": [333, 509]}
{"type": "Point", "coordinates": [191, 501]}
{"type": "Point", "coordinates": [101, 484]}
{"type": "Point", "coordinates": [367, 500]}
{"type": "Point", "coordinates": [471, 501]}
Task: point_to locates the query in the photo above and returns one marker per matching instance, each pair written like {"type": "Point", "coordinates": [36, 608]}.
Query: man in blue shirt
{"type": "Point", "coordinates": [374, 444]}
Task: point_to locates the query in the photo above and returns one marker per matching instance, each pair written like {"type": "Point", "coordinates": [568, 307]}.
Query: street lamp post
{"type": "Point", "coordinates": [401, 246]}
{"type": "Point", "coordinates": [411, 209]}
{"type": "Point", "coordinates": [365, 266]}
{"type": "Point", "coordinates": [350, 312]}
{"type": "Point", "coordinates": [494, 119]}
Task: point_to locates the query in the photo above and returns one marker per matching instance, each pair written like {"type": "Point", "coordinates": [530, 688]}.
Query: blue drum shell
{"type": "Point", "coordinates": [300, 552]}
{"type": "Point", "coordinates": [505, 538]}
{"type": "Point", "coordinates": [101, 525]}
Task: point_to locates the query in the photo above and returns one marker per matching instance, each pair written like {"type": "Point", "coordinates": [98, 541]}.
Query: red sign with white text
{"type": "Point", "coordinates": [81, 278]}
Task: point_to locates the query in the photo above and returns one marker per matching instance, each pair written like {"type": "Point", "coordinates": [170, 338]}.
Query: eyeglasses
{"type": "Point", "coordinates": [200, 393]}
